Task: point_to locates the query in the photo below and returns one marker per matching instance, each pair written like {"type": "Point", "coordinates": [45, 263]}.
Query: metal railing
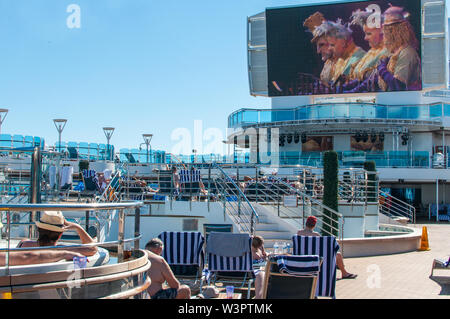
{"type": "Point", "coordinates": [395, 208]}
{"type": "Point", "coordinates": [235, 202]}
{"type": "Point", "coordinates": [77, 207]}
{"type": "Point", "coordinates": [424, 112]}
{"type": "Point", "coordinates": [328, 222]}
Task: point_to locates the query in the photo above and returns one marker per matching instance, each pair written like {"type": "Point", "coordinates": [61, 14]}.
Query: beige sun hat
{"type": "Point", "coordinates": [53, 221]}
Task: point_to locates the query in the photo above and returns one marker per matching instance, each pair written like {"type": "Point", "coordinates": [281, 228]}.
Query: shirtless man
{"type": "Point", "coordinates": [160, 272]}
{"type": "Point", "coordinates": [309, 232]}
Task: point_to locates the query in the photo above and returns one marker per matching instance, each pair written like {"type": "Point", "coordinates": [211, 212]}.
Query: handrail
{"type": "Point", "coordinates": [309, 197]}
{"type": "Point", "coordinates": [239, 189]}
{"type": "Point", "coordinates": [254, 214]}
{"type": "Point", "coordinates": [411, 210]}
{"type": "Point", "coordinates": [349, 104]}
{"type": "Point", "coordinates": [69, 207]}
{"type": "Point", "coordinates": [103, 244]}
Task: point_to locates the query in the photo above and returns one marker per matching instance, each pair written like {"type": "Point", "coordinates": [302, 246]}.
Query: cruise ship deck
{"type": "Point", "coordinates": [401, 276]}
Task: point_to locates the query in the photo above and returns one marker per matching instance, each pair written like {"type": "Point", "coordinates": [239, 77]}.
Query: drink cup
{"type": "Point", "coordinates": [230, 292]}
{"type": "Point", "coordinates": [79, 262]}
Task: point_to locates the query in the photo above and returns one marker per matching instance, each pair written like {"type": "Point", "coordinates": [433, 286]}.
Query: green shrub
{"type": "Point", "coordinates": [330, 192]}
{"type": "Point", "coordinates": [372, 189]}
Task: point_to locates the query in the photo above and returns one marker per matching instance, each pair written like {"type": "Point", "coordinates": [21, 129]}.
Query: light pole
{"type": "Point", "coordinates": [3, 113]}
{"type": "Point", "coordinates": [60, 124]}
{"type": "Point", "coordinates": [147, 140]}
{"type": "Point", "coordinates": [108, 133]}
{"type": "Point", "coordinates": [195, 155]}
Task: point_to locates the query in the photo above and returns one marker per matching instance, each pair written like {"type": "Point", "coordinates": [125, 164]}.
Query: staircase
{"type": "Point", "coordinates": [273, 228]}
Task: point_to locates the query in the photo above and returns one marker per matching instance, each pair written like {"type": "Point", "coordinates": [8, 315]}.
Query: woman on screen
{"type": "Point", "coordinates": [401, 71]}
{"type": "Point", "coordinates": [363, 75]}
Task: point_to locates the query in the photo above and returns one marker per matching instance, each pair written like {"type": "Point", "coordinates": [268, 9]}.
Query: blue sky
{"type": "Point", "coordinates": [141, 66]}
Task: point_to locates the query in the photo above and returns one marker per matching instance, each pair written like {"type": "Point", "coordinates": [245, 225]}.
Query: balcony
{"type": "Point", "coordinates": [340, 111]}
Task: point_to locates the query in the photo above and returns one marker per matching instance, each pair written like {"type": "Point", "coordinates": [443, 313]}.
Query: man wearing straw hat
{"type": "Point", "coordinates": [51, 227]}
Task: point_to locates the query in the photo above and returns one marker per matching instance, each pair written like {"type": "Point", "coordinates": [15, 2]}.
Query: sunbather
{"type": "Point", "coordinates": [309, 231]}
{"type": "Point", "coordinates": [258, 255]}
{"type": "Point", "coordinates": [51, 227]}
{"type": "Point", "coordinates": [160, 272]}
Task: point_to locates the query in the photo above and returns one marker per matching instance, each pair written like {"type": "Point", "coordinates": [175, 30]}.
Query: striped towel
{"type": "Point", "coordinates": [183, 248]}
{"type": "Point", "coordinates": [185, 176]}
{"type": "Point", "coordinates": [218, 262]}
{"type": "Point", "coordinates": [89, 173]}
{"type": "Point", "coordinates": [299, 265]}
{"type": "Point", "coordinates": [195, 176]}
{"type": "Point", "coordinates": [327, 248]}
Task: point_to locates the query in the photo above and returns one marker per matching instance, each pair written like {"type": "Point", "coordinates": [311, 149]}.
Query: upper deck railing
{"type": "Point", "coordinates": [343, 111]}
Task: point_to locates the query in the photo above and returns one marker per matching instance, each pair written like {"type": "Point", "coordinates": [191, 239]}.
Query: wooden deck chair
{"type": "Point", "coordinates": [326, 247]}
{"type": "Point", "coordinates": [184, 252]}
{"type": "Point", "coordinates": [230, 260]}
{"type": "Point", "coordinates": [291, 277]}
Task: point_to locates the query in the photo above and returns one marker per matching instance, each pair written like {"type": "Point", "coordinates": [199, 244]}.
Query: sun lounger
{"type": "Point", "coordinates": [236, 269]}
{"type": "Point", "coordinates": [326, 247]}
{"type": "Point", "coordinates": [440, 264]}
{"type": "Point", "coordinates": [184, 252]}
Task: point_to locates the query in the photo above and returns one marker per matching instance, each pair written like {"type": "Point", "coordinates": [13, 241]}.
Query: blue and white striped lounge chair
{"type": "Point", "coordinates": [326, 247]}
{"type": "Point", "coordinates": [291, 277]}
{"type": "Point", "coordinates": [184, 252]}
{"type": "Point", "coordinates": [190, 182]}
{"type": "Point", "coordinates": [90, 180]}
{"type": "Point", "coordinates": [237, 270]}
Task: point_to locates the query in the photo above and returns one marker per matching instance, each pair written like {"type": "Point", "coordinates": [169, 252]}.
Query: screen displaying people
{"type": "Point", "coordinates": [357, 47]}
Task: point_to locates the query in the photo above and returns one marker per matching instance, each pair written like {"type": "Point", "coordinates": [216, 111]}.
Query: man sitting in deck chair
{"type": "Point", "coordinates": [51, 227]}
{"type": "Point", "coordinates": [184, 253]}
{"type": "Point", "coordinates": [309, 231]}
{"type": "Point", "coordinates": [90, 180]}
{"type": "Point", "coordinates": [160, 272]}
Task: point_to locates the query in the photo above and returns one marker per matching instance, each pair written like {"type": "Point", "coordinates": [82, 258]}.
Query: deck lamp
{"type": "Point", "coordinates": [147, 140]}
{"type": "Point", "coordinates": [108, 133]}
{"type": "Point", "coordinates": [289, 138]}
{"type": "Point", "coordinates": [3, 113]}
{"type": "Point", "coordinates": [405, 139]}
{"type": "Point", "coordinates": [303, 138]}
{"type": "Point", "coordinates": [60, 124]}
{"type": "Point", "coordinates": [373, 138]}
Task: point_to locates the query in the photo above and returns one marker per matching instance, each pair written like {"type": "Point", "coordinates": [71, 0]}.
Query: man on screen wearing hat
{"type": "Point", "coordinates": [51, 227]}
{"type": "Point", "coordinates": [311, 222]}
{"type": "Point", "coordinates": [314, 24]}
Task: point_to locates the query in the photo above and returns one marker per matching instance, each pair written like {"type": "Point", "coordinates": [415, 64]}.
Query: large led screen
{"type": "Point", "coordinates": [353, 47]}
